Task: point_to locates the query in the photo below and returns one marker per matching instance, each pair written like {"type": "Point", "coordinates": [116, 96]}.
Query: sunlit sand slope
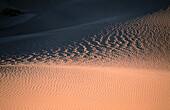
{"type": "Point", "coordinates": [82, 88]}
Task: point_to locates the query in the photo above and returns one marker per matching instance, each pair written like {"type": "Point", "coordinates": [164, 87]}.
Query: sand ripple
{"type": "Point", "coordinates": [64, 87]}
{"type": "Point", "coordinates": [144, 40]}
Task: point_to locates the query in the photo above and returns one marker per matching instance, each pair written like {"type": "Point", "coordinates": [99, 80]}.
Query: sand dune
{"type": "Point", "coordinates": [124, 66]}
{"type": "Point", "coordinates": [56, 14]}
{"type": "Point", "coordinates": [6, 23]}
{"type": "Point", "coordinates": [68, 87]}
{"type": "Point", "coordinates": [141, 42]}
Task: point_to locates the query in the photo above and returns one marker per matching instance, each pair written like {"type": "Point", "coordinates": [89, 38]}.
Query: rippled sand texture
{"type": "Point", "coordinates": [124, 67]}
{"type": "Point", "coordinates": [82, 88]}
{"type": "Point", "coordinates": [142, 41]}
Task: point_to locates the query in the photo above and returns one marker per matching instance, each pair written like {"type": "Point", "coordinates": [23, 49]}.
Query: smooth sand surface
{"type": "Point", "coordinates": [7, 22]}
{"type": "Point", "coordinates": [81, 88]}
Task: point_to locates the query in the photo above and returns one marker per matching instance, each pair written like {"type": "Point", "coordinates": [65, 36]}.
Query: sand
{"type": "Point", "coordinates": [142, 42]}
{"type": "Point", "coordinates": [114, 63]}
{"type": "Point", "coordinates": [76, 87]}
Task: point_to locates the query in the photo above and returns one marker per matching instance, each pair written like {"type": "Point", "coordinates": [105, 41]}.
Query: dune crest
{"type": "Point", "coordinates": [141, 42]}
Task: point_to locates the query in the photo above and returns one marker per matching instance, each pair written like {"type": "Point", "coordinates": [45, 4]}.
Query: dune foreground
{"type": "Point", "coordinates": [82, 88]}
{"type": "Point", "coordinates": [125, 66]}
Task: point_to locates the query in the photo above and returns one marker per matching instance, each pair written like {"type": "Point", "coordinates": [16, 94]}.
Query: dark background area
{"type": "Point", "coordinates": [55, 14]}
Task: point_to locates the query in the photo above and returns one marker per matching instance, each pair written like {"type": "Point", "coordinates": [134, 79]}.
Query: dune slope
{"type": "Point", "coordinates": [140, 42]}
{"type": "Point", "coordinates": [53, 14]}
{"type": "Point", "coordinates": [74, 88]}
{"type": "Point", "coordinates": [123, 67]}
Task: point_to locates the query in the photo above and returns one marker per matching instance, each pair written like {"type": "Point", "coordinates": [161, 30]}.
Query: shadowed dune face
{"type": "Point", "coordinates": [140, 42]}
{"type": "Point", "coordinates": [114, 3]}
{"type": "Point", "coordinates": [52, 14]}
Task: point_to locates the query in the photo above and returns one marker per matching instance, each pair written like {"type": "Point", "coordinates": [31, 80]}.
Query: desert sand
{"type": "Point", "coordinates": [119, 62]}
{"type": "Point", "coordinates": [76, 87]}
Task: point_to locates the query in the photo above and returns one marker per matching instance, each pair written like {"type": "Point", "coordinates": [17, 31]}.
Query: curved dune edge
{"type": "Point", "coordinates": [142, 42]}
{"type": "Point", "coordinates": [83, 87]}
{"type": "Point", "coordinates": [8, 22]}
